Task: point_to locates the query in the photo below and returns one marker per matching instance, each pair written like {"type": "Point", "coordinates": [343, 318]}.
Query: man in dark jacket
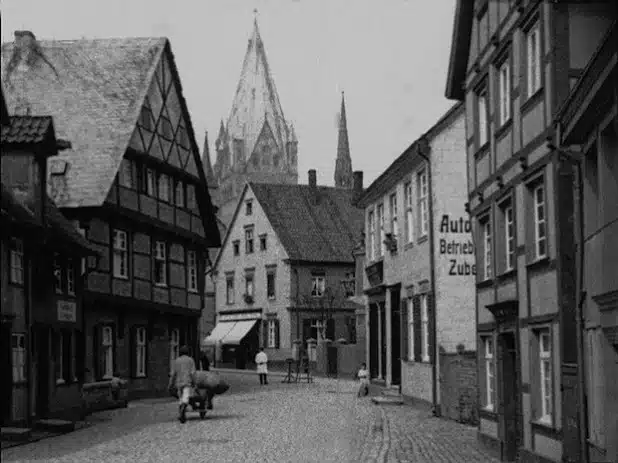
{"type": "Point", "coordinates": [204, 362]}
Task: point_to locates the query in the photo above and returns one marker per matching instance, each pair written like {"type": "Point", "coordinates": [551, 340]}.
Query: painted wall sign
{"type": "Point", "coordinates": [67, 311]}
{"type": "Point", "coordinates": [458, 249]}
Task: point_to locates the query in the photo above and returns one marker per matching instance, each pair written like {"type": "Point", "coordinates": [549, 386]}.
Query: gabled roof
{"type": "Point", "coordinates": [460, 49]}
{"type": "Point", "coordinates": [94, 91]}
{"type": "Point", "coordinates": [323, 230]}
{"type": "Point", "coordinates": [27, 130]}
{"type": "Point", "coordinates": [256, 101]}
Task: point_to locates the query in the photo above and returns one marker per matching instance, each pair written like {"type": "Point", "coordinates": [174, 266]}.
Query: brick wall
{"type": "Point", "coordinates": [458, 391]}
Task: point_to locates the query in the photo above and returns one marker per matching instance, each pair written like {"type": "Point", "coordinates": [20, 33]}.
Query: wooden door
{"type": "Point", "coordinates": [373, 341]}
{"type": "Point", "coordinates": [395, 338]}
{"type": "Point", "coordinates": [509, 396]}
{"type": "Point", "coordinates": [6, 380]}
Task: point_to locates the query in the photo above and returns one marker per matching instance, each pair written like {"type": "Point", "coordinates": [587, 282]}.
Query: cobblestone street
{"type": "Point", "coordinates": [320, 422]}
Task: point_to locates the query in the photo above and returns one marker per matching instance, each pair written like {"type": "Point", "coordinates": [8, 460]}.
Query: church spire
{"type": "Point", "coordinates": [208, 171]}
{"type": "Point", "coordinates": [343, 166]}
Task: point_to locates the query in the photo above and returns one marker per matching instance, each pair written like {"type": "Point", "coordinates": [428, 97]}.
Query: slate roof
{"type": "Point", "coordinates": [27, 129]}
{"type": "Point", "coordinates": [326, 231]}
{"type": "Point", "coordinates": [94, 89]}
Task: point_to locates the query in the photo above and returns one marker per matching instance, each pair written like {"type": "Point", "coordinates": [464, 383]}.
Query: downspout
{"type": "Point", "coordinates": [580, 294]}
{"type": "Point", "coordinates": [432, 266]}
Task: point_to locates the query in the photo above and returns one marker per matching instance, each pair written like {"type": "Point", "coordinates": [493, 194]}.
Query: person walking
{"type": "Point", "coordinates": [261, 360]}
{"type": "Point", "coordinates": [363, 377]}
{"type": "Point", "coordinates": [204, 362]}
{"type": "Point", "coordinates": [183, 380]}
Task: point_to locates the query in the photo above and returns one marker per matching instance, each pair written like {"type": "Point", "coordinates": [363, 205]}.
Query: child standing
{"type": "Point", "coordinates": [363, 376]}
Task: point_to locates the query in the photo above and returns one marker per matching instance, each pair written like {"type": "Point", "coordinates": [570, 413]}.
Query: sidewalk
{"type": "Point", "coordinates": [37, 435]}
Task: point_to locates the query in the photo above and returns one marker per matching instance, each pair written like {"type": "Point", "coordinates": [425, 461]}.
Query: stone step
{"type": "Point", "coordinates": [55, 425]}
{"type": "Point", "coordinates": [15, 434]}
{"type": "Point", "coordinates": [391, 392]}
{"type": "Point", "coordinates": [384, 400]}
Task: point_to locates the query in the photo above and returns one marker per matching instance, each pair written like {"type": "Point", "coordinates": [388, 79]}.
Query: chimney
{"type": "Point", "coordinates": [358, 186]}
{"type": "Point", "coordinates": [25, 41]}
{"type": "Point", "coordinates": [312, 178]}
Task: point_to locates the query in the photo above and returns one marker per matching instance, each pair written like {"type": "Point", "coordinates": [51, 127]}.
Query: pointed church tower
{"type": "Point", "coordinates": [343, 166]}
{"type": "Point", "coordinates": [208, 172]}
{"type": "Point", "coordinates": [256, 144]}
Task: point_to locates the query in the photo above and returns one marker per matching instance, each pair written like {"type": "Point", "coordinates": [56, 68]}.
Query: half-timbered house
{"type": "Point", "coordinates": [133, 182]}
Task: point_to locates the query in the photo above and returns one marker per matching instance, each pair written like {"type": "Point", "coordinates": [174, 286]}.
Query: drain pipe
{"type": "Point", "coordinates": [576, 159]}
{"type": "Point", "coordinates": [423, 149]}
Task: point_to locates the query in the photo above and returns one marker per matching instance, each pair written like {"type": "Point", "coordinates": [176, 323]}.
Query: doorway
{"type": "Point", "coordinates": [373, 341]}
{"type": "Point", "coordinates": [395, 338]}
{"type": "Point", "coordinates": [509, 395]}
{"type": "Point", "coordinates": [6, 382]}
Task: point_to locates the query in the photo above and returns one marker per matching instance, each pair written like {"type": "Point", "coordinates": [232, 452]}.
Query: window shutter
{"type": "Point", "coordinates": [264, 333]}
{"type": "Point", "coordinates": [482, 372]}
{"type": "Point", "coordinates": [80, 357]}
{"type": "Point", "coordinates": [133, 351]}
{"type": "Point", "coordinates": [416, 310]}
{"type": "Point", "coordinates": [277, 334]}
{"type": "Point", "coordinates": [404, 329]}
{"type": "Point", "coordinates": [147, 349]}
{"type": "Point", "coordinates": [431, 325]}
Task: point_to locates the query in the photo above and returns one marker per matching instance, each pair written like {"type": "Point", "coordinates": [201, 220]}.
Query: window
{"type": "Point", "coordinates": [540, 232]}
{"type": "Point", "coordinates": [509, 238]}
{"type": "Point", "coordinates": [17, 261]}
{"type": "Point", "coordinates": [409, 220]}
{"type": "Point", "coordinates": [318, 285]}
{"type": "Point", "coordinates": [151, 185]}
{"type": "Point", "coordinates": [380, 243]}
{"type": "Point", "coordinates": [490, 391]}
{"type": "Point", "coordinates": [371, 235]}
{"type": "Point", "coordinates": [121, 268]}
{"type": "Point", "coordinates": [249, 208]}
{"type": "Point", "coordinates": [350, 289]}
{"type": "Point", "coordinates": [249, 241]}
{"type": "Point", "coordinates": [58, 275]}
{"type": "Point", "coordinates": [174, 346]}
{"type": "Point", "coordinates": [191, 204]}
{"type": "Point", "coordinates": [482, 119]}
{"type": "Point", "coordinates": [423, 207]}
{"type": "Point", "coordinates": [272, 333]}
{"type": "Point", "coordinates": [126, 174]}
{"type": "Point", "coordinates": [229, 289]}
{"type": "Point", "coordinates": [270, 285]}
{"type": "Point", "coordinates": [393, 212]}
{"type": "Point", "coordinates": [160, 263]}
{"type": "Point", "coordinates": [107, 344]}
{"type": "Point", "coordinates": [350, 323]}
{"type": "Point", "coordinates": [70, 277]}
{"type": "Point", "coordinates": [533, 59]}
{"type": "Point", "coordinates": [180, 194]}
{"type": "Point", "coordinates": [164, 188]}
{"type": "Point", "coordinates": [192, 271]}
{"type": "Point", "coordinates": [546, 408]}
{"type": "Point", "coordinates": [487, 254]}
{"type": "Point", "coordinates": [504, 91]}
{"type": "Point", "coordinates": [249, 287]}
{"type": "Point", "coordinates": [411, 331]}
{"type": "Point", "coordinates": [18, 352]}
{"type": "Point", "coordinates": [424, 328]}
{"type": "Point", "coordinates": [236, 246]}
{"type": "Point", "coordinates": [140, 352]}
{"type": "Point", "coordinates": [262, 242]}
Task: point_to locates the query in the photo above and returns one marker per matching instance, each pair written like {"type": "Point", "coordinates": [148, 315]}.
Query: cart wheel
{"type": "Point", "coordinates": [202, 415]}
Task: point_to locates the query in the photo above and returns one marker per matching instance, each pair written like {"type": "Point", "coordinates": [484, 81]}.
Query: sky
{"type": "Point", "coordinates": [389, 56]}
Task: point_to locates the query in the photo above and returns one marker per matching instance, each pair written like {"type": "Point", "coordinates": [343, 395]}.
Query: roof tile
{"type": "Point", "coordinates": [26, 129]}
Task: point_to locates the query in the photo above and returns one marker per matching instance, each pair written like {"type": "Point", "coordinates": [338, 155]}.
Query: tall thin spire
{"type": "Point", "coordinates": [208, 171]}
{"type": "Point", "coordinates": [343, 165]}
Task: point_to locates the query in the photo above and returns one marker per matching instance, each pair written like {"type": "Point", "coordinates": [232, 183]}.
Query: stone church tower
{"type": "Point", "coordinates": [256, 144]}
{"type": "Point", "coordinates": [343, 166]}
